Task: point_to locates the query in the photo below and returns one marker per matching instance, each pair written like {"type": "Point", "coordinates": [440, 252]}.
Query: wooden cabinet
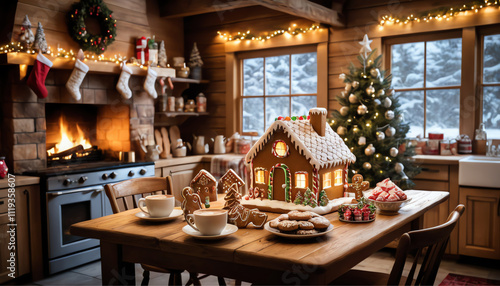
{"type": "Point", "coordinates": [479, 227]}
{"type": "Point", "coordinates": [20, 232]}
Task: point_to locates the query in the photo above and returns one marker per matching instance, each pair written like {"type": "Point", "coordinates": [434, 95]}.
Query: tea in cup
{"type": "Point", "coordinates": [157, 205]}
{"type": "Point", "coordinates": [208, 221]}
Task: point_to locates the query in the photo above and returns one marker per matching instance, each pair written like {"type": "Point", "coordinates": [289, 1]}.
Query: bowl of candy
{"type": "Point", "coordinates": [388, 197]}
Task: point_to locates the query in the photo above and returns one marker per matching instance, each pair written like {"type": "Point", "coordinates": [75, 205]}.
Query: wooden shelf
{"type": "Point", "coordinates": [176, 114]}
{"type": "Point", "coordinates": [189, 80]}
{"type": "Point", "coordinates": [174, 118]}
{"type": "Point", "coordinates": [99, 67]}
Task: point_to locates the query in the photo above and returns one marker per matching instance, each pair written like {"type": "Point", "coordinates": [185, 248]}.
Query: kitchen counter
{"type": "Point", "coordinates": [20, 181]}
{"type": "Point", "coordinates": [440, 160]}
{"type": "Point", "coordinates": [207, 158]}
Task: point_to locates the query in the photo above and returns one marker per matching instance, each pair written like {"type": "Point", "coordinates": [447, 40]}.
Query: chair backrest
{"type": "Point", "coordinates": [125, 195]}
{"type": "Point", "coordinates": [430, 242]}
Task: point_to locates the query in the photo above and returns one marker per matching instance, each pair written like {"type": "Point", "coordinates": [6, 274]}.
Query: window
{"type": "Point", "coordinates": [427, 80]}
{"type": "Point", "coordinates": [490, 84]}
{"type": "Point", "coordinates": [260, 176]}
{"type": "Point", "coordinates": [277, 84]}
{"type": "Point", "coordinates": [327, 180]}
{"type": "Point", "coordinates": [301, 180]}
{"type": "Point", "coordinates": [280, 149]}
{"type": "Point", "coordinates": [338, 177]}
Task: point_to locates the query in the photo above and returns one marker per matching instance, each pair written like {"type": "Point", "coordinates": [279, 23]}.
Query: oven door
{"type": "Point", "coordinates": [65, 208]}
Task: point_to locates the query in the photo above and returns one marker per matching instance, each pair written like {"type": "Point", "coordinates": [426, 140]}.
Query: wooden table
{"type": "Point", "coordinates": [252, 255]}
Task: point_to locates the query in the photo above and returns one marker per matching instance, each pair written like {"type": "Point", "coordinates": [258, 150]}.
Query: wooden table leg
{"type": "Point", "coordinates": [114, 270]}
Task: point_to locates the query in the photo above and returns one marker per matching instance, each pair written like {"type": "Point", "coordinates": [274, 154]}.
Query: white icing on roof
{"type": "Point", "coordinates": [321, 151]}
{"type": "Point", "coordinates": [318, 110]}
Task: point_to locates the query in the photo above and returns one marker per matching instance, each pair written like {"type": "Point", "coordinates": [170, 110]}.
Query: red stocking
{"type": "Point", "coordinates": [36, 80]}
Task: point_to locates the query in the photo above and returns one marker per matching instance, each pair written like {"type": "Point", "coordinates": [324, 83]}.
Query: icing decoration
{"type": "Point", "coordinates": [205, 185]}
{"type": "Point", "coordinates": [191, 202]}
{"type": "Point", "coordinates": [287, 181]}
{"type": "Point", "coordinates": [358, 186]}
{"type": "Point", "coordinates": [228, 179]}
{"type": "Point", "coordinates": [240, 215]}
{"type": "Point", "coordinates": [276, 153]}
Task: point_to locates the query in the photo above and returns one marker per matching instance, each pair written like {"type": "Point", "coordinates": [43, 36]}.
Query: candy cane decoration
{"type": "Point", "coordinates": [315, 181]}
{"type": "Point", "coordinates": [287, 181]}
{"type": "Point", "coordinates": [346, 183]}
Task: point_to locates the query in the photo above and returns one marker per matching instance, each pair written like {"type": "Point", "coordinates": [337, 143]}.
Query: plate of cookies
{"type": "Point", "coordinates": [299, 225]}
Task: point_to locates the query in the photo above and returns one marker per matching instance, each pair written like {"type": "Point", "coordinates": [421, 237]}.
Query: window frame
{"type": "Point", "coordinates": [325, 180]}
{"type": "Point", "coordinates": [264, 171]}
{"type": "Point", "coordinates": [241, 56]}
{"type": "Point", "coordinates": [275, 149]}
{"type": "Point", "coordinates": [340, 177]}
{"type": "Point", "coordinates": [482, 32]}
{"type": "Point", "coordinates": [428, 37]}
{"type": "Point", "coordinates": [305, 174]}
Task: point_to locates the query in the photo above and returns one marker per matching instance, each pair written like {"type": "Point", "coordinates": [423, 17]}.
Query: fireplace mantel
{"type": "Point", "coordinates": [97, 67]}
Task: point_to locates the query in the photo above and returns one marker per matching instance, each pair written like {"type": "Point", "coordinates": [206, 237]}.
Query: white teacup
{"type": "Point", "coordinates": [208, 221]}
{"type": "Point", "coordinates": [157, 205]}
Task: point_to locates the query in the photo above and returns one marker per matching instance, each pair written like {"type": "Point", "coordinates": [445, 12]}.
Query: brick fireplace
{"type": "Point", "coordinates": [23, 116]}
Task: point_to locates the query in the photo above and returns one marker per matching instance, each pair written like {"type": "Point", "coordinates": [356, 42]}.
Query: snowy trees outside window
{"type": "Point", "coordinates": [427, 79]}
{"type": "Point", "coordinates": [491, 85]}
{"type": "Point", "coordinates": [281, 85]}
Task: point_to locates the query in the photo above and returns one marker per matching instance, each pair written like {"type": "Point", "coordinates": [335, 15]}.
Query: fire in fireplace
{"type": "Point", "coordinates": [68, 140]}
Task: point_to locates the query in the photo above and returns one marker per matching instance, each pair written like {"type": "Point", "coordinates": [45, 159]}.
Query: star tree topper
{"type": "Point", "coordinates": [365, 46]}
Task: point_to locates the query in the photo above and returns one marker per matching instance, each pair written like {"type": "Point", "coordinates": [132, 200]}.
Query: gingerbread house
{"type": "Point", "coordinates": [228, 179]}
{"type": "Point", "coordinates": [297, 154]}
{"type": "Point", "coordinates": [205, 185]}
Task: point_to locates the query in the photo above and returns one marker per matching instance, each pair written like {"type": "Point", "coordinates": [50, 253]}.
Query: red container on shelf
{"type": "Point", "coordinates": [438, 136]}
{"type": "Point", "coordinates": [464, 144]}
{"type": "Point", "coordinates": [3, 168]}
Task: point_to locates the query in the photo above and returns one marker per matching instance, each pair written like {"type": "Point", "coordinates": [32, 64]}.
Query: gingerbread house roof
{"type": "Point", "coordinates": [231, 176]}
{"type": "Point", "coordinates": [321, 151]}
{"type": "Point", "coordinates": [202, 173]}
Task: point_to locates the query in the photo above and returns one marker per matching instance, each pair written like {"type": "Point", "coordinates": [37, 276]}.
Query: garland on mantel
{"type": "Point", "coordinates": [292, 30]}
{"type": "Point", "coordinates": [439, 14]}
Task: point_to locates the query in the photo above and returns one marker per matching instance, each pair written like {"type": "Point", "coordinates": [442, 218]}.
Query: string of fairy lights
{"type": "Point", "coordinates": [292, 30]}
{"type": "Point", "coordinates": [439, 14]}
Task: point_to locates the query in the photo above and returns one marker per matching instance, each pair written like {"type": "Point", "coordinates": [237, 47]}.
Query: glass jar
{"type": "Point", "coordinates": [3, 168]}
{"type": "Point", "coordinates": [179, 104]}
{"type": "Point", "coordinates": [201, 103]}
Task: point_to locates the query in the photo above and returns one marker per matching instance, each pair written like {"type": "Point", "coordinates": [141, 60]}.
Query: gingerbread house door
{"type": "Point", "coordinates": [280, 181]}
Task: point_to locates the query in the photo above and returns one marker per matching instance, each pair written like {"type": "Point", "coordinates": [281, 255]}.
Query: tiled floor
{"type": "Point", "coordinates": [381, 261]}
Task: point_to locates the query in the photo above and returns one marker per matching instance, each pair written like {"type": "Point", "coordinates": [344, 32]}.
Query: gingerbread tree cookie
{"type": "Point", "coordinates": [240, 215]}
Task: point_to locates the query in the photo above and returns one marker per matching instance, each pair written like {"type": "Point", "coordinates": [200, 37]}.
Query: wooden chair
{"type": "Point", "coordinates": [125, 195]}
{"type": "Point", "coordinates": [429, 243]}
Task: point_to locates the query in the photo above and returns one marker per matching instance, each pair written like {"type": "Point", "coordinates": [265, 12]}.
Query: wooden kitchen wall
{"type": "Point", "coordinates": [135, 18]}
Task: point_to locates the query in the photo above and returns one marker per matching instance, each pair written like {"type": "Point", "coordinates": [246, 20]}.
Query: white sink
{"type": "Point", "coordinates": [479, 171]}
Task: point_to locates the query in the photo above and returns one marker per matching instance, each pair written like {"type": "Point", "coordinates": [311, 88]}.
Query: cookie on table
{"type": "Point", "coordinates": [308, 231]}
{"type": "Point", "coordinates": [274, 223]}
{"type": "Point", "coordinates": [305, 225]}
{"type": "Point", "coordinates": [283, 217]}
{"type": "Point", "coordinates": [288, 225]}
{"type": "Point", "coordinates": [298, 215]}
{"type": "Point", "coordinates": [320, 222]}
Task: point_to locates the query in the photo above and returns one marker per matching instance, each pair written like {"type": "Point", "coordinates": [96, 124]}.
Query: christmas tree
{"type": "Point", "coordinates": [298, 199]}
{"type": "Point", "coordinates": [371, 123]}
{"type": "Point", "coordinates": [232, 197]}
{"type": "Point", "coordinates": [40, 43]}
{"type": "Point", "coordinates": [162, 55]}
{"type": "Point", "coordinates": [195, 58]}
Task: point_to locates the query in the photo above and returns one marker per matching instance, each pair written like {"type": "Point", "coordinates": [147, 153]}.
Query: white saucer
{"type": "Point", "coordinates": [229, 229]}
{"type": "Point", "coordinates": [173, 215]}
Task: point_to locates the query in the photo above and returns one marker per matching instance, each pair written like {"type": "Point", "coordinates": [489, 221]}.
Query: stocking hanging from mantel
{"type": "Point", "coordinates": [36, 80]}
{"type": "Point", "coordinates": [149, 83]}
{"type": "Point", "coordinates": [76, 78]}
{"type": "Point", "coordinates": [122, 85]}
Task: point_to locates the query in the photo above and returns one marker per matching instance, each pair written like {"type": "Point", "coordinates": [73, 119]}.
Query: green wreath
{"type": "Point", "coordinates": [78, 31]}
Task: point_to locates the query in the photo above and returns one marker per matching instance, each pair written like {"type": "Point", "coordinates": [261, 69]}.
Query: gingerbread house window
{"type": "Point", "coordinates": [301, 180]}
{"type": "Point", "coordinates": [260, 176]}
{"type": "Point", "coordinates": [338, 177]}
{"type": "Point", "coordinates": [327, 180]}
{"type": "Point", "coordinates": [280, 149]}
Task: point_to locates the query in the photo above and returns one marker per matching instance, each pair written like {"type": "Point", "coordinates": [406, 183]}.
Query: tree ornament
{"type": "Point", "coordinates": [370, 150]}
{"type": "Point", "coordinates": [377, 102]}
{"type": "Point", "coordinates": [400, 117]}
{"type": "Point", "coordinates": [387, 102]}
{"type": "Point", "coordinates": [162, 55]}
{"type": "Point", "coordinates": [341, 130]}
{"type": "Point", "coordinates": [344, 110]}
{"type": "Point", "coordinates": [348, 87]}
{"type": "Point", "coordinates": [375, 72]}
{"type": "Point", "coordinates": [367, 165]}
{"type": "Point", "coordinates": [26, 36]}
{"type": "Point", "coordinates": [355, 84]}
{"type": "Point", "coordinates": [380, 135]}
{"type": "Point", "coordinates": [362, 141]}
{"type": "Point", "coordinates": [390, 131]}
{"type": "Point", "coordinates": [390, 93]}
{"type": "Point", "coordinates": [355, 129]}
{"type": "Point", "coordinates": [77, 14]}
{"type": "Point", "coordinates": [365, 46]}
{"type": "Point", "coordinates": [342, 76]}
{"type": "Point", "coordinates": [399, 167]}
{"type": "Point", "coordinates": [380, 92]}
{"type": "Point", "coordinates": [342, 94]}
{"type": "Point", "coordinates": [40, 43]}
{"type": "Point", "coordinates": [370, 90]}
{"type": "Point", "coordinates": [393, 151]}
{"type": "Point", "coordinates": [353, 98]}
{"type": "Point", "coordinates": [362, 109]}
{"type": "Point", "coordinates": [389, 115]}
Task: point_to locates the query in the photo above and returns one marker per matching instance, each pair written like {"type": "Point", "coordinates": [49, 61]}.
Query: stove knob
{"type": "Point", "coordinates": [67, 182]}
{"type": "Point", "coordinates": [104, 176]}
{"type": "Point", "coordinates": [83, 179]}
{"type": "Point", "coordinates": [131, 173]}
{"type": "Point", "coordinates": [142, 171]}
{"type": "Point", "coordinates": [112, 175]}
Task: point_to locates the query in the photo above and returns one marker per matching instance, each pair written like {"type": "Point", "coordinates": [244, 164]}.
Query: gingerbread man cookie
{"type": "Point", "coordinates": [191, 202]}
{"type": "Point", "coordinates": [358, 186]}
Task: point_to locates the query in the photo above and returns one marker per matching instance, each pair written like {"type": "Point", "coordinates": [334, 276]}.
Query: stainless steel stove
{"type": "Point", "coordinates": [75, 193]}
